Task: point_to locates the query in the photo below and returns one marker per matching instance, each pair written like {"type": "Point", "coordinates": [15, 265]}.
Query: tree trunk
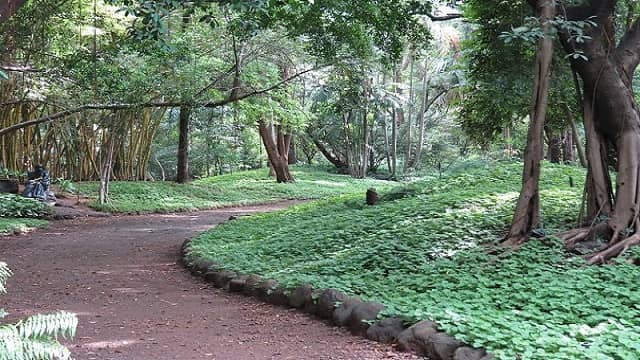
{"type": "Point", "coordinates": [568, 149]}
{"type": "Point", "coordinates": [394, 142]}
{"type": "Point", "coordinates": [409, 144]}
{"type": "Point", "coordinates": [105, 173]}
{"type": "Point", "coordinates": [575, 137]}
{"type": "Point", "coordinates": [182, 176]}
{"type": "Point", "coordinates": [364, 167]}
{"type": "Point", "coordinates": [277, 150]}
{"type": "Point", "coordinates": [612, 122]}
{"type": "Point", "coordinates": [554, 152]}
{"type": "Point", "coordinates": [332, 157]}
{"type": "Point", "coordinates": [162, 174]}
{"type": "Point", "coordinates": [9, 8]}
{"type": "Point", "coordinates": [508, 142]}
{"type": "Point", "coordinates": [292, 156]}
{"type": "Point", "coordinates": [421, 117]}
{"type": "Point", "coordinates": [527, 215]}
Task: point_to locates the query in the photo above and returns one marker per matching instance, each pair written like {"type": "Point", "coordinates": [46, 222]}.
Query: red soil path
{"type": "Point", "coordinates": [135, 302]}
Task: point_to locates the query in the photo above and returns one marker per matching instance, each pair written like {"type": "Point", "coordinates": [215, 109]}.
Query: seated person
{"type": "Point", "coordinates": [38, 182]}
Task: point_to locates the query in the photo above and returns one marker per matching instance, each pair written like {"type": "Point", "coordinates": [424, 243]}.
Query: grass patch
{"type": "Point", "coordinates": [422, 253]}
{"type": "Point", "coordinates": [243, 188]}
{"type": "Point", "coordinates": [10, 226]}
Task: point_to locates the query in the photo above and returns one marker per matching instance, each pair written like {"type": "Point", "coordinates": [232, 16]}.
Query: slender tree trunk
{"type": "Point", "coordinates": [387, 145]}
{"type": "Point", "coordinates": [578, 144]}
{"type": "Point", "coordinates": [182, 176]}
{"type": "Point", "coordinates": [162, 174]}
{"type": "Point", "coordinates": [408, 154]}
{"type": "Point", "coordinates": [364, 166]}
{"type": "Point", "coordinates": [554, 151]}
{"type": "Point", "coordinates": [575, 137]}
{"type": "Point", "coordinates": [568, 148]}
{"type": "Point", "coordinates": [292, 156]}
{"type": "Point", "coordinates": [421, 116]}
{"type": "Point", "coordinates": [508, 142]}
{"type": "Point", "coordinates": [105, 173]}
{"type": "Point", "coordinates": [394, 142]}
{"type": "Point", "coordinates": [527, 215]}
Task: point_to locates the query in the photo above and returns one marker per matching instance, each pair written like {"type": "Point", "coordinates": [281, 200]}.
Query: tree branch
{"type": "Point", "coordinates": [22, 69]}
{"type": "Point", "coordinates": [628, 50]}
{"type": "Point", "coordinates": [444, 17]}
{"type": "Point", "coordinates": [167, 104]}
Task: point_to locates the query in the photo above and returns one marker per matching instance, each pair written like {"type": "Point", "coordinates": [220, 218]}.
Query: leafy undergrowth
{"type": "Point", "coordinates": [14, 225]}
{"type": "Point", "coordinates": [420, 254]}
{"type": "Point", "coordinates": [249, 187]}
{"type": "Point", "coordinates": [20, 207]}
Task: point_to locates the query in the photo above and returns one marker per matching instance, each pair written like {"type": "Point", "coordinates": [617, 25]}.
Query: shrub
{"type": "Point", "coordinates": [18, 207]}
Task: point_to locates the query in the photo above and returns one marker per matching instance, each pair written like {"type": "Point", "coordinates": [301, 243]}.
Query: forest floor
{"type": "Point", "coordinates": [122, 276]}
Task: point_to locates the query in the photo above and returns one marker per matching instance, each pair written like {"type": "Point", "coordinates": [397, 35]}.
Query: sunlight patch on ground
{"type": "Point", "coordinates": [129, 290]}
{"type": "Point", "coordinates": [113, 344]}
{"type": "Point", "coordinates": [328, 183]}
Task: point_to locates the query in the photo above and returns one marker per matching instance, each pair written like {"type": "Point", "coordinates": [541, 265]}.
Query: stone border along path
{"type": "Point", "coordinates": [422, 338]}
{"type": "Point", "coordinates": [123, 277]}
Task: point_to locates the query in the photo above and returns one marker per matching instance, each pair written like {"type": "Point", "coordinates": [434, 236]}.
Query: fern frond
{"type": "Point", "coordinates": [48, 326]}
{"type": "Point", "coordinates": [36, 337]}
{"type": "Point", "coordinates": [4, 275]}
{"type": "Point", "coordinates": [18, 348]}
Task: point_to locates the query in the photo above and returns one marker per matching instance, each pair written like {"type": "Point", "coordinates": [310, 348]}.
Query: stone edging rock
{"type": "Point", "coordinates": [422, 338]}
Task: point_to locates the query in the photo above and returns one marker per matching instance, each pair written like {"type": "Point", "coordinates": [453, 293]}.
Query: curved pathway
{"type": "Point", "coordinates": [135, 302]}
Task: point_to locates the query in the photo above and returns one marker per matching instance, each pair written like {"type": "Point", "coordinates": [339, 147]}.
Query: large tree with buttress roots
{"type": "Point", "coordinates": [607, 53]}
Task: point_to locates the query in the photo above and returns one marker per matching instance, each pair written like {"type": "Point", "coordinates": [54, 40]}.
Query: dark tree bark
{"type": "Point", "coordinates": [612, 123]}
{"type": "Point", "coordinates": [8, 8]}
{"type": "Point", "coordinates": [575, 138]}
{"type": "Point", "coordinates": [183, 146]}
{"type": "Point", "coordinates": [277, 143]}
{"type": "Point", "coordinates": [568, 148]}
{"type": "Point", "coordinates": [333, 157]}
{"type": "Point", "coordinates": [527, 215]}
{"type": "Point", "coordinates": [292, 156]}
{"type": "Point", "coordinates": [554, 150]}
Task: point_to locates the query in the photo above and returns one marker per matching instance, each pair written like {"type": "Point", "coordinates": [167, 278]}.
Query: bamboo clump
{"type": "Point", "coordinates": [74, 149]}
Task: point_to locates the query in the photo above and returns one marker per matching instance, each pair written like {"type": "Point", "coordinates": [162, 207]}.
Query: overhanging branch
{"type": "Point", "coordinates": [628, 50]}
{"type": "Point", "coordinates": [168, 104]}
{"type": "Point", "coordinates": [444, 17]}
{"type": "Point", "coordinates": [21, 69]}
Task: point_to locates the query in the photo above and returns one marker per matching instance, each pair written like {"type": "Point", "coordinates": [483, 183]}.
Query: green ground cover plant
{"type": "Point", "coordinates": [20, 207]}
{"type": "Point", "coordinates": [427, 252]}
{"type": "Point", "coordinates": [242, 188]}
{"type": "Point", "coordinates": [19, 214]}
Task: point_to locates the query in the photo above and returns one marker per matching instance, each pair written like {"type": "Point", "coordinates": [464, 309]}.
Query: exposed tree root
{"type": "Point", "coordinates": [572, 237]}
{"type": "Point", "coordinates": [515, 241]}
{"type": "Point", "coordinates": [616, 249]}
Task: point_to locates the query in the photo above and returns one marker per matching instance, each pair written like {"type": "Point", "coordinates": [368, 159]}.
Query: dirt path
{"type": "Point", "coordinates": [135, 302]}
